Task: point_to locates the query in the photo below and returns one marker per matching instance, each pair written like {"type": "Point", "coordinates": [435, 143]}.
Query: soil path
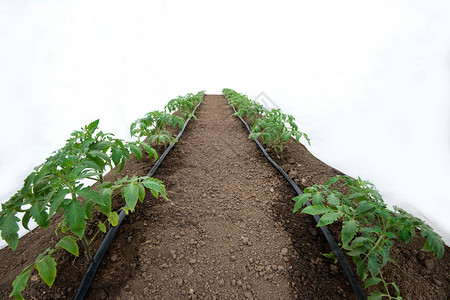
{"type": "Point", "coordinates": [217, 238]}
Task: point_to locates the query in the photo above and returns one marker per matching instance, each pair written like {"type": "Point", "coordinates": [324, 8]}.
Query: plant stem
{"type": "Point", "coordinates": [83, 238]}
{"type": "Point", "coordinates": [86, 248]}
{"type": "Point", "coordinates": [95, 235]}
{"type": "Point", "coordinates": [380, 239]}
{"type": "Point", "coordinates": [385, 286]}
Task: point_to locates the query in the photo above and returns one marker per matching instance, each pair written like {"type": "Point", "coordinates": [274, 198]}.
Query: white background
{"type": "Point", "coordinates": [367, 80]}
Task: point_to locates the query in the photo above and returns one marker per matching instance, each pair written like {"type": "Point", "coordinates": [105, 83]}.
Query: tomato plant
{"type": "Point", "coordinates": [245, 107]}
{"type": "Point", "coordinates": [235, 98]}
{"type": "Point", "coordinates": [273, 126]}
{"type": "Point", "coordinates": [369, 228]}
{"type": "Point", "coordinates": [153, 126]}
{"type": "Point", "coordinates": [56, 187]}
{"type": "Point", "coordinates": [276, 128]}
{"type": "Point", "coordinates": [155, 123]}
{"type": "Point", "coordinates": [185, 104]}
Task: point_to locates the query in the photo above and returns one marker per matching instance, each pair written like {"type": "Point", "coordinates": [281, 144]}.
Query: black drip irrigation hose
{"type": "Point", "coordinates": [92, 269]}
{"type": "Point", "coordinates": [360, 295]}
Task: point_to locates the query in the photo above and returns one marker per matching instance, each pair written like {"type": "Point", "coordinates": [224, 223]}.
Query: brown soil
{"type": "Point", "coordinates": [228, 231]}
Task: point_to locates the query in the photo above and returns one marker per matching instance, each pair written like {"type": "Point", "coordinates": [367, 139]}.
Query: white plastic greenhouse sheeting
{"type": "Point", "coordinates": [367, 80]}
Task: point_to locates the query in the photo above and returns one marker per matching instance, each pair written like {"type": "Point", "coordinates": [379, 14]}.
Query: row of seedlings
{"type": "Point", "coordinates": [58, 187]}
{"type": "Point", "coordinates": [369, 227]}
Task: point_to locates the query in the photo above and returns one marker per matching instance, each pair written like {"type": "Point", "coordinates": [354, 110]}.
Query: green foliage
{"type": "Point", "coordinates": [185, 104]}
{"type": "Point", "coordinates": [276, 129]}
{"type": "Point", "coordinates": [245, 106]}
{"type": "Point", "coordinates": [369, 228]}
{"type": "Point", "coordinates": [273, 126]}
{"type": "Point", "coordinates": [56, 187]}
{"type": "Point", "coordinates": [153, 126]}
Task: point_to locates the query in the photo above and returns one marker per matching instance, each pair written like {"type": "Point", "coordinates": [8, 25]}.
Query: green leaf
{"type": "Point", "coordinates": [136, 151]}
{"type": "Point", "coordinates": [360, 240]}
{"type": "Point", "coordinates": [315, 210]}
{"type": "Point", "coordinates": [97, 161]}
{"type": "Point", "coordinates": [88, 206]}
{"type": "Point", "coordinates": [75, 217]}
{"type": "Point", "coordinates": [39, 214]}
{"type": "Point", "coordinates": [113, 218]}
{"type": "Point", "coordinates": [47, 269]}
{"type": "Point", "coordinates": [116, 156]}
{"type": "Point", "coordinates": [333, 180]}
{"type": "Point", "coordinates": [20, 283]}
{"type": "Point", "coordinates": [131, 195]}
{"type": "Point", "coordinates": [91, 195]}
{"type": "Point", "coordinates": [9, 229]}
{"type": "Point", "coordinates": [333, 199]}
{"type": "Point", "coordinates": [427, 247]}
{"type": "Point", "coordinates": [330, 255]}
{"type": "Point", "coordinates": [356, 251]}
{"type": "Point", "coordinates": [68, 243]}
{"type": "Point", "coordinates": [300, 201]}
{"type": "Point", "coordinates": [102, 227]}
{"type": "Point", "coordinates": [377, 295]}
{"type": "Point", "coordinates": [361, 267]}
{"type": "Point", "coordinates": [141, 192]}
{"type": "Point", "coordinates": [155, 186]}
{"type": "Point", "coordinates": [106, 195]}
{"type": "Point", "coordinates": [57, 201]}
{"type": "Point", "coordinates": [373, 265]}
{"type": "Point", "coordinates": [93, 125]}
{"type": "Point", "coordinates": [100, 145]}
{"type": "Point", "coordinates": [99, 154]}
{"type": "Point", "coordinates": [317, 199]}
{"type": "Point", "coordinates": [371, 281]}
{"type": "Point", "coordinates": [150, 151]}
{"type": "Point", "coordinates": [26, 219]}
{"type": "Point", "coordinates": [364, 207]}
{"type": "Point", "coordinates": [27, 184]}
{"type": "Point", "coordinates": [348, 231]}
{"type": "Point", "coordinates": [329, 218]}
{"type": "Point", "coordinates": [435, 243]}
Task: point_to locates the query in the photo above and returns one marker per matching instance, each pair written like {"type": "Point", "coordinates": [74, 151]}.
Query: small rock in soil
{"type": "Point", "coordinates": [293, 174]}
{"type": "Point", "coordinates": [429, 263]}
{"type": "Point", "coordinates": [421, 256]}
{"type": "Point", "coordinates": [179, 281]}
{"type": "Point", "coordinates": [34, 278]}
{"type": "Point", "coordinates": [164, 266]}
{"type": "Point", "coordinates": [284, 251]}
{"type": "Point", "coordinates": [114, 257]}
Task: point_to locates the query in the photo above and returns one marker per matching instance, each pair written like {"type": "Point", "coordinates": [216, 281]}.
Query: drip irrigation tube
{"type": "Point", "coordinates": [360, 295]}
{"type": "Point", "coordinates": [92, 269]}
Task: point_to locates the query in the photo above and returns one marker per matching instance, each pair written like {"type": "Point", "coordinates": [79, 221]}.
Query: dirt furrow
{"type": "Point", "coordinates": [220, 236]}
{"type": "Point", "coordinates": [216, 238]}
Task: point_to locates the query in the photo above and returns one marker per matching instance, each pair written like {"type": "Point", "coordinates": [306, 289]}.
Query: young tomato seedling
{"type": "Point", "coordinates": [56, 187]}
{"type": "Point", "coordinates": [153, 126]}
{"type": "Point", "coordinates": [273, 126]}
{"type": "Point", "coordinates": [369, 228]}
